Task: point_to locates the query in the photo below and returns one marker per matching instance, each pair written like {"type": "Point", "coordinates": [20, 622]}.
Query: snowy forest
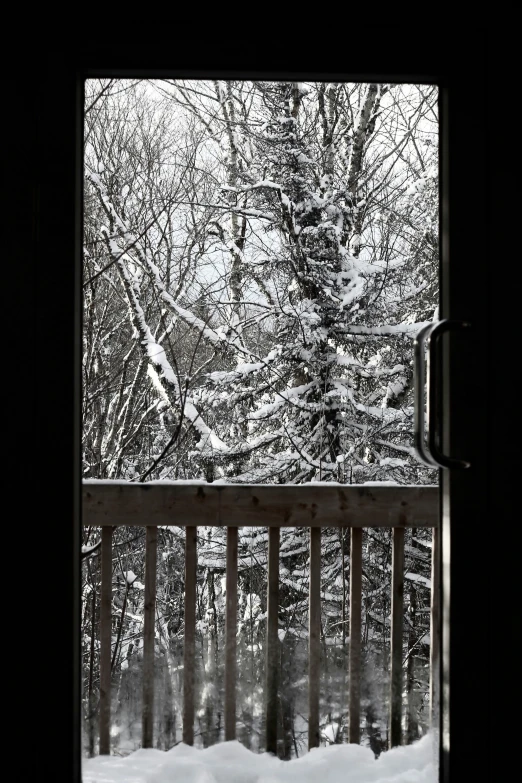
{"type": "Point", "coordinates": [258, 258]}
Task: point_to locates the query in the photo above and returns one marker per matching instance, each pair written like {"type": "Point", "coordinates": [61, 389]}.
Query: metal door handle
{"type": "Point", "coordinates": [424, 378]}
{"type": "Point", "coordinates": [419, 375]}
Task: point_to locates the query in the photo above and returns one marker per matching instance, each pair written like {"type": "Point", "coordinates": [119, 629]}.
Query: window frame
{"type": "Point", "coordinates": [58, 147]}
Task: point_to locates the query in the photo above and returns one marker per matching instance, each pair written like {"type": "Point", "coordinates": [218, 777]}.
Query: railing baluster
{"type": "Point", "coordinates": [151, 545]}
{"type": "Point", "coordinates": [105, 641]}
{"type": "Point", "coordinates": [230, 635]}
{"type": "Point", "coordinates": [355, 634]}
{"type": "Point", "coordinates": [189, 651]}
{"type": "Point", "coordinates": [272, 640]}
{"type": "Point", "coordinates": [434, 629]}
{"type": "Point", "coordinates": [396, 637]}
{"type": "Point", "coordinates": [314, 638]}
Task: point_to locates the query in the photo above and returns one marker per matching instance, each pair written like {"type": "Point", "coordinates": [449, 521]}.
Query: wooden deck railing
{"type": "Point", "coordinates": [111, 504]}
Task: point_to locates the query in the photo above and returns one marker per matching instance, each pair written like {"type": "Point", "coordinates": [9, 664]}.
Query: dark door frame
{"type": "Point", "coordinates": [46, 225]}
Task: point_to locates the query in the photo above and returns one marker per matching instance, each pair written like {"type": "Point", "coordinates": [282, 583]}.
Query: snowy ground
{"type": "Point", "coordinates": [230, 762]}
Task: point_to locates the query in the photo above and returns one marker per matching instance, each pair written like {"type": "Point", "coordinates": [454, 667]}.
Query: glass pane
{"type": "Point", "coordinates": [258, 258]}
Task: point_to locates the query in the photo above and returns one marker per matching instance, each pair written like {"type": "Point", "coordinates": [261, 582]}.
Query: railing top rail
{"type": "Point", "coordinates": [195, 503]}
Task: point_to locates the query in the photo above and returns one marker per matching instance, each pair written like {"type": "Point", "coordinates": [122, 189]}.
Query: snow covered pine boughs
{"type": "Point", "coordinates": [258, 259]}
